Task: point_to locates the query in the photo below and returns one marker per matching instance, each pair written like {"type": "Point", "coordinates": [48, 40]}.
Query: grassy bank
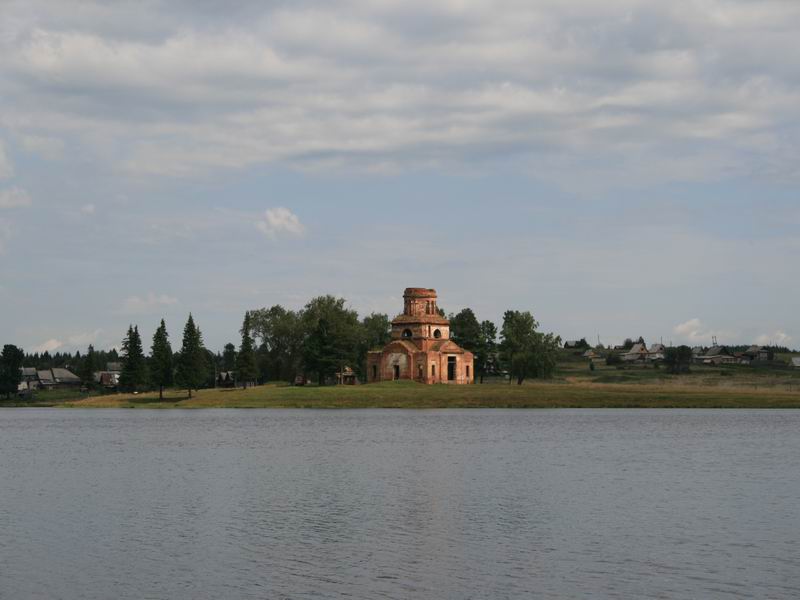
{"type": "Point", "coordinates": [562, 394]}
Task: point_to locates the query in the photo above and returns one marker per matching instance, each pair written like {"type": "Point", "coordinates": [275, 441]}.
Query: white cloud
{"type": "Point", "coordinates": [280, 220]}
{"type": "Point", "coordinates": [88, 209]}
{"type": "Point", "coordinates": [50, 345]}
{"type": "Point", "coordinates": [695, 332]}
{"type": "Point", "coordinates": [616, 87]}
{"type": "Point", "coordinates": [136, 305]}
{"type": "Point", "coordinates": [779, 338]}
{"type": "Point", "coordinates": [85, 338]}
{"type": "Point", "coordinates": [14, 198]}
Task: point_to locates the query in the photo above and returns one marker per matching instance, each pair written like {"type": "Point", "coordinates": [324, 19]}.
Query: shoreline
{"type": "Point", "coordinates": [557, 394]}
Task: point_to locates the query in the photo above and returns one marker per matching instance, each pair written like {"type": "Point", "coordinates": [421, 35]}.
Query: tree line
{"type": "Point", "coordinates": [280, 344]}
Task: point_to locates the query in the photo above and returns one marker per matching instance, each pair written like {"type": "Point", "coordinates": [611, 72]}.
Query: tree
{"type": "Point", "coordinates": [192, 362]}
{"type": "Point", "coordinates": [465, 330]}
{"type": "Point", "coordinates": [161, 367]}
{"type": "Point", "coordinates": [376, 331]}
{"type": "Point", "coordinates": [88, 367]}
{"type": "Point", "coordinates": [478, 338]}
{"type": "Point", "coordinates": [134, 367]}
{"type": "Point", "coordinates": [678, 359]}
{"type": "Point", "coordinates": [333, 336]}
{"type": "Point", "coordinates": [485, 357]}
{"type": "Point", "coordinates": [281, 333]}
{"type": "Point", "coordinates": [229, 357]}
{"type": "Point", "coordinates": [10, 369]}
{"type": "Point", "coordinates": [528, 352]}
{"type": "Point", "coordinates": [246, 367]}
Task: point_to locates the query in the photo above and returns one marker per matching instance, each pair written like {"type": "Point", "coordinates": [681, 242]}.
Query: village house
{"type": "Point", "coordinates": [795, 362]}
{"type": "Point", "coordinates": [755, 354]}
{"type": "Point", "coordinates": [637, 354]}
{"type": "Point", "coordinates": [656, 353]}
{"type": "Point", "coordinates": [421, 349]}
{"type": "Point", "coordinates": [718, 355]}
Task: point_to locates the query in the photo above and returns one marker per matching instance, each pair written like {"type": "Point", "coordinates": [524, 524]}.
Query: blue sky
{"type": "Point", "coordinates": [620, 168]}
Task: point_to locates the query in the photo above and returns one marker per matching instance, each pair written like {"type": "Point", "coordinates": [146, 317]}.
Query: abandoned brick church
{"type": "Point", "coordinates": [421, 348]}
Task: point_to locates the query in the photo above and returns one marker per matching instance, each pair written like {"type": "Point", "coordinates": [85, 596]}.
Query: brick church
{"type": "Point", "coordinates": [421, 349]}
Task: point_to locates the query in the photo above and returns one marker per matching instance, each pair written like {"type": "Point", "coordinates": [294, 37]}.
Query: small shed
{"type": "Point", "coordinates": [346, 377]}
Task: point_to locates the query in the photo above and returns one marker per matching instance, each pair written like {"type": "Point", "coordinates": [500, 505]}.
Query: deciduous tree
{"type": "Point", "coordinates": [246, 367]}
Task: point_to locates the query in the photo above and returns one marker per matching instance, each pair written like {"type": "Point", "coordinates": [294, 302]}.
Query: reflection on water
{"type": "Point", "coordinates": [399, 504]}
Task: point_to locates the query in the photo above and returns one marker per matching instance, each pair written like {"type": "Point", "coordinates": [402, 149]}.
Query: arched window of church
{"type": "Point", "coordinates": [437, 333]}
{"type": "Point", "coordinates": [407, 333]}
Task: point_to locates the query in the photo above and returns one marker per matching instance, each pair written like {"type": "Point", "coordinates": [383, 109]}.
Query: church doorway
{"type": "Point", "coordinates": [397, 371]}
{"type": "Point", "coordinates": [451, 368]}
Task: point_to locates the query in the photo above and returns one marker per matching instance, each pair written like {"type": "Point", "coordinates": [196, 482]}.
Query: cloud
{"type": "Point", "coordinates": [88, 209]}
{"type": "Point", "coordinates": [14, 198]}
{"type": "Point", "coordinates": [85, 338]}
{"type": "Point", "coordinates": [656, 92]}
{"type": "Point", "coordinates": [50, 345]}
{"type": "Point", "coordinates": [5, 235]}
{"type": "Point", "coordinates": [50, 148]}
{"type": "Point", "coordinates": [279, 221]}
{"type": "Point", "coordinates": [152, 303]}
{"type": "Point", "coordinates": [779, 338]}
{"type": "Point", "coordinates": [6, 168]}
{"type": "Point", "coordinates": [695, 332]}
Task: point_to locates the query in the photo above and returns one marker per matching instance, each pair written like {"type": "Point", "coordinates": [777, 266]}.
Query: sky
{"type": "Point", "coordinates": [618, 168]}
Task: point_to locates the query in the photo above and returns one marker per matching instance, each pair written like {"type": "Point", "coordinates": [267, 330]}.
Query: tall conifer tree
{"type": "Point", "coordinates": [10, 369]}
{"type": "Point", "coordinates": [88, 367]}
{"type": "Point", "coordinates": [134, 367]}
{"type": "Point", "coordinates": [191, 372]}
{"type": "Point", "coordinates": [161, 370]}
{"type": "Point", "coordinates": [246, 367]}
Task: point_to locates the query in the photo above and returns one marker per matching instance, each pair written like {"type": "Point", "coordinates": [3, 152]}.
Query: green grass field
{"type": "Point", "coordinates": [412, 395]}
{"type": "Point", "coordinates": [573, 386]}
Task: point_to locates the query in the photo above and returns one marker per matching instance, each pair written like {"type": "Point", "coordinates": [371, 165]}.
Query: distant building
{"type": "Point", "coordinates": [756, 353]}
{"type": "Point", "coordinates": [718, 355]}
{"type": "Point", "coordinates": [421, 349]}
{"type": "Point", "coordinates": [656, 352]}
{"type": "Point", "coordinates": [346, 377]}
{"type": "Point", "coordinates": [226, 379]}
{"type": "Point", "coordinates": [638, 353]}
{"type": "Point", "coordinates": [795, 362]}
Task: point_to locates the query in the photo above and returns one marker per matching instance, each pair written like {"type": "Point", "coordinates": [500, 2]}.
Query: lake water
{"type": "Point", "coordinates": [399, 504]}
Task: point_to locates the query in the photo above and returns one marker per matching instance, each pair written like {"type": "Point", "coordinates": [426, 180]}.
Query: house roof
{"type": "Point", "coordinates": [718, 351]}
{"type": "Point", "coordinates": [657, 348]}
{"type": "Point", "coordinates": [65, 376]}
{"type": "Point", "coordinates": [638, 349]}
{"type": "Point", "coordinates": [424, 319]}
{"type": "Point", "coordinates": [28, 371]}
{"type": "Point", "coordinates": [114, 366]}
{"type": "Point", "coordinates": [45, 376]}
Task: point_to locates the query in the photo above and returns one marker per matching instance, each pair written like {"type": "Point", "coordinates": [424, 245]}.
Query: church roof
{"type": "Point", "coordinates": [410, 319]}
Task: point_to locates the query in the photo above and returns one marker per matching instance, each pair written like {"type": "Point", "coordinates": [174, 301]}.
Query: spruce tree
{"type": "Point", "coordinates": [161, 371]}
{"type": "Point", "coordinates": [10, 369]}
{"type": "Point", "coordinates": [191, 372]}
{"type": "Point", "coordinates": [134, 367]}
{"type": "Point", "coordinates": [88, 367]}
{"type": "Point", "coordinates": [246, 367]}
